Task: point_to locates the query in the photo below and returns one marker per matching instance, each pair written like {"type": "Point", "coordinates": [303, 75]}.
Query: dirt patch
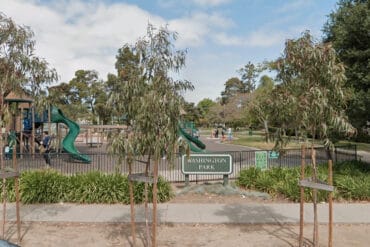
{"type": "Point", "coordinates": [217, 193]}
{"type": "Point", "coordinates": [61, 235]}
{"type": "Point", "coordinates": [43, 234]}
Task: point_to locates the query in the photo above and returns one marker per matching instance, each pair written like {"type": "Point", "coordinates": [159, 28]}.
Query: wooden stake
{"type": "Point", "coordinates": [17, 196]}
{"type": "Point", "coordinates": [315, 221]}
{"type": "Point", "coordinates": [154, 223]}
{"type": "Point", "coordinates": [132, 207]}
{"type": "Point", "coordinates": [147, 166]}
{"type": "Point", "coordinates": [301, 208]}
{"type": "Point", "coordinates": [4, 204]}
{"type": "Point", "coordinates": [330, 182]}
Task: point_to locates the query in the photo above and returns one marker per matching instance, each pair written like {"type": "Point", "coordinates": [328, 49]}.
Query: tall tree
{"type": "Point", "coordinates": [348, 30]}
{"type": "Point", "coordinates": [204, 107]}
{"type": "Point", "coordinates": [233, 86]}
{"type": "Point", "coordinates": [151, 99]}
{"type": "Point", "coordinates": [249, 74]}
{"type": "Point", "coordinates": [232, 112]}
{"type": "Point", "coordinates": [260, 104]}
{"type": "Point", "coordinates": [192, 112]}
{"type": "Point", "coordinates": [85, 88]}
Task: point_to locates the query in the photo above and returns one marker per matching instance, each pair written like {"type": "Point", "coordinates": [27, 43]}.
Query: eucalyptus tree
{"type": "Point", "coordinates": [313, 78]}
{"type": "Point", "coordinates": [260, 104]}
{"type": "Point", "coordinates": [20, 70]}
{"type": "Point", "coordinates": [151, 99]}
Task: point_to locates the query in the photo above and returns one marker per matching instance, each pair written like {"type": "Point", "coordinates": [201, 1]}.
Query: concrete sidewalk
{"type": "Point", "coordinates": [248, 213]}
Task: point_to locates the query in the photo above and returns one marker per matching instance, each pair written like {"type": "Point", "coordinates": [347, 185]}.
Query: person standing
{"type": "Point", "coordinates": [46, 146]}
{"type": "Point", "coordinates": [229, 134]}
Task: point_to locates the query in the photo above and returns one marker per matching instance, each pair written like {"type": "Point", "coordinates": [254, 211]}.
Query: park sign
{"type": "Point", "coordinates": [261, 159]}
{"type": "Point", "coordinates": [206, 164]}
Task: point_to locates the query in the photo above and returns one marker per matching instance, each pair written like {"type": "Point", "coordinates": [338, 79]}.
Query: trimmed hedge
{"type": "Point", "coordinates": [49, 186]}
{"type": "Point", "coordinates": [350, 178]}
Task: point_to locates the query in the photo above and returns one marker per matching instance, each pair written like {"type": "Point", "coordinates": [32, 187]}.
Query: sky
{"type": "Point", "coordinates": [220, 36]}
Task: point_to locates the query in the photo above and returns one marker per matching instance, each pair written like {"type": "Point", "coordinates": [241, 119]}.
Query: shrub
{"type": "Point", "coordinates": [46, 186]}
{"type": "Point", "coordinates": [248, 177]}
{"type": "Point", "coordinates": [351, 180]}
{"type": "Point", "coordinates": [49, 186]}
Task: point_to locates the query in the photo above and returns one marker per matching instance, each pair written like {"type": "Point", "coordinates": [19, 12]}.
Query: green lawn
{"type": "Point", "coordinates": [360, 145]}
{"type": "Point", "coordinates": [258, 140]}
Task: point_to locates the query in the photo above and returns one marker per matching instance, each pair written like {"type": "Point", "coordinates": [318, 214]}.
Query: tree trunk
{"type": "Point", "coordinates": [146, 203]}
{"type": "Point", "coordinates": [301, 208]}
{"type": "Point", "coordinates": [155, 190]}
{"type": "Point", "coordinates": [265, 123]}
{"type": "Point", "coordinates": [314, 198]}
{"type": "Point", "coordinates": [4, 184]}
{"type": "Point", "coordinates": [2, 160]}
{"type": "Point", "coordinates": [330, 182]}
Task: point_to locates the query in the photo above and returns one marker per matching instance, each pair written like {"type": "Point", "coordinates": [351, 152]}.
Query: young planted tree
{"type": "Point", "coordinates": [20, 71]}
{"type": "Point", "coordinates": [150, 99]}
{"type": "Point", "coordinates": [313, 78]}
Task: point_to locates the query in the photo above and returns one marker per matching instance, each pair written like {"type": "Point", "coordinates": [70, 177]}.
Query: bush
{"type": "Point", "coordinates": [49, 186]}
{"type": "Point", "coordinates": [351, 180]}
{"type": "Point", "coordinates": [42, 187]}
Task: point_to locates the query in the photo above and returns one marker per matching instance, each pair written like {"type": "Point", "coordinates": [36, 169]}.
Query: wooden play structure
{"type": "Point", "coordinates": [97, 135]}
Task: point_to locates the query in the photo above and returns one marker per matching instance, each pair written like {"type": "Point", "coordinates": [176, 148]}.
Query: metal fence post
{"type": "Point", "coordinates": [240, 161]}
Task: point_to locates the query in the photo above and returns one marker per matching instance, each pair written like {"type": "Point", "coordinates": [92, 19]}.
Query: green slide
{"type": "Point", "coordinates": [199, 146]}
{"type": "Point", "coordinates": [57, 116]}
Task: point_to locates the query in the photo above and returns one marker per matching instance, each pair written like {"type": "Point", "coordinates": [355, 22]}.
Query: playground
{"type": "Point", "coordinates": [78, 148]}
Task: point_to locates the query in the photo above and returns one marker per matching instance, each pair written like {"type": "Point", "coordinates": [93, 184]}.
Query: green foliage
{"type": "Point", "coordinates": [146, 92]}
{"type": "Point", "coordinates": [20, 70]}
{"type": "Point", "coordinates": [96, 187]}
{"type": "Point", "coordinates": [249, 73]}
{"type": "Point", "coordinates": [44, 186]}
{"type": "Point", "coordinates": [248, 177]}
{"type": "Point", "coordinates": [348, 31]}
{"type": "Point", "coordinates": [10, 192]}
{"type": "Point", "coordinates": [312, 95]}
{"type": "Point", "coordinates": [233, 86]}
{"type": "Point", "coordinates": [48, 186]}
{"type": "Point", "coordinates": [351, 180]}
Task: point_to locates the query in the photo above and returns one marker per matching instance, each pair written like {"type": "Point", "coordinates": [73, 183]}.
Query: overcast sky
{"type": "Point", "coordinates": [220, 35]}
